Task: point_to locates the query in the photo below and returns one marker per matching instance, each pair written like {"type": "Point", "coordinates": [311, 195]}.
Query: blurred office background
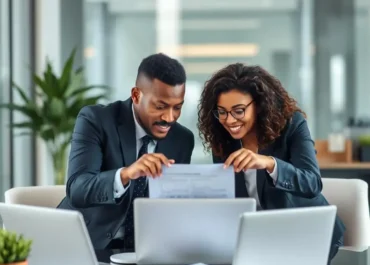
{"type": "Point", "coordinates": [319, 49]}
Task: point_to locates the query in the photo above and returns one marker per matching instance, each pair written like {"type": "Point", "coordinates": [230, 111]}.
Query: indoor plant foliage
{"type": "Point", "coordinates": [52, 116]}
{"type": "Point", "coordinates": [14, 249]}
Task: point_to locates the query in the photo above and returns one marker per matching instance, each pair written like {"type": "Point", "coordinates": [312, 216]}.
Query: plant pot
{"type": "Point", "coordinates": [365, 153]}
{"type": "Point", "coordinates": [17, 263]}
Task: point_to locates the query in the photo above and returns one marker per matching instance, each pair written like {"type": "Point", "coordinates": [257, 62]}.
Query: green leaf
{"type": "Point", "coordinates": [27, 110]}
{"type": "Point", "coordinates": [47, 133]}
{"type": "Point", "coordinates": [79, 103]}
{"type": "Point", "coordinates": [67, 125]}
{"type": "Point", "coordinates": [13, 248]}
{"type": "Point", "coordinates": [85, 89]}
{"type": "Point", "coordinates": [76, 81]}
{"type": "Point", "coordinates": [79, 70]}
{"type": "Point", "coordinates": [21, 93]}
{"type": "Point", "coordinates": [51, 80]}
{"type": "Point", "coordinates": [57, 108]}
{"type": "Point", "coordinates": [66, 74]}
{"type": "Point", "coordinates": [29, 125]}
{"type": "Point", "coordinates": [49, 91]}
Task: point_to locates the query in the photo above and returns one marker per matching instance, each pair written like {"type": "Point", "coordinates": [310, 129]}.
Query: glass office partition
{"type": "Point", "coordinates": [16, 152]}
{"type": "Point", "coordinates": [5, 71]}
{"type": "Point", "coordinates": [204, 35]}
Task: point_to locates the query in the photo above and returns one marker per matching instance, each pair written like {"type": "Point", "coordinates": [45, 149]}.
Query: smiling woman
{"type": "Point", "coordinates": [258, 104]}
{"type": "Point", "coordinates": [250, 122]}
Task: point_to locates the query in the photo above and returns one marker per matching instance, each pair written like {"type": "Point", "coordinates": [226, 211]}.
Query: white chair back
{"type": "Point", "coordinates": [44, 196]}
{"type": "Point", "coordinates": [351, 198]}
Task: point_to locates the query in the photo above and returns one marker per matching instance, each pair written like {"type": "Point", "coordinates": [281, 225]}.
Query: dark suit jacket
{"type": "Point", "coordinates": [299, 180]}
{"type": "Point", "coordinates": [103, 141]}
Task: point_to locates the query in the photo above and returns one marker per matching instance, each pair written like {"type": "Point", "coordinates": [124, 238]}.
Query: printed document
{"type": "Point", "coordinates": [193, 181]}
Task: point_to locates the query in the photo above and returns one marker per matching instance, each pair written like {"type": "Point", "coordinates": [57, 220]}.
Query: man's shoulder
{"type": "Point", "coordinates": [100, 109]}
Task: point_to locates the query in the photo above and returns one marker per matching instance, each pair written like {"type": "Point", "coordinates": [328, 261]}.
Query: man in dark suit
{"type": "Point", "coordinates": [115, 147]}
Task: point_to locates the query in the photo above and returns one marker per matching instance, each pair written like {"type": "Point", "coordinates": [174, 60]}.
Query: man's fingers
{"type": "Point", "coordinates": [157, 164]}
{"type": "Point", "coordinates": [164, 159]}
{"type": "Point", "coordinates": [144, 170]}
{"type": "Point", "coordinates": [153, 163]}
{"type": "Point", "coordinates": [151, 166]}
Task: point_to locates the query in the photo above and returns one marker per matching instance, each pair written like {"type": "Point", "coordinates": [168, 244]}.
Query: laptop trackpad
{"type": "Point", "coordinates": [124, 258]}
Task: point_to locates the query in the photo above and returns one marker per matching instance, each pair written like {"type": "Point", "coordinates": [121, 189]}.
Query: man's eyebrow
{"type": "Point", "coordinates": [162, 102]}
{"type": "Point", "coordinates": [166, 103]}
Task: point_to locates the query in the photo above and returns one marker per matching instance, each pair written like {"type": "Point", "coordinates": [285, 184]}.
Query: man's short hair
{"type": "Point", "coordinates": [164, 68]}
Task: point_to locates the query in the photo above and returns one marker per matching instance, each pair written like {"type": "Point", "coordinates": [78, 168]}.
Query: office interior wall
{"type": "Point", "coordinates": [22, 75]}
{"type": "Point", "coordinates": [112, 37]}
{"type": "Point", "coordinates": [362, 57]}
{"type": "Point", "coordinates": [134, 33]}
{"type": "Point", "coordinates": [334, 35]}
{"type": "Point", "coordinates": [5, 139]}
{"type": "Point", "coordinates": [48, 45]}
{"type": "Point", "coordinates": [16, 155]}
{"type": "Point", "coordinates": [59, 31]}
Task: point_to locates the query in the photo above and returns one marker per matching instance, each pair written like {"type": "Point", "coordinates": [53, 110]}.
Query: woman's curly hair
{"type": "Point", "coordinates": [274, 107]}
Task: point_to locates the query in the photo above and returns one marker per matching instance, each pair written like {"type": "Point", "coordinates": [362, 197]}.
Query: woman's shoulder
{"type": "Point", "coordinates": [296, 121]}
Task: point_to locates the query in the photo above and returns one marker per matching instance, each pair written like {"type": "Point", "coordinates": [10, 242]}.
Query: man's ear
{"type": "Point", "coordinates": [135, 95]}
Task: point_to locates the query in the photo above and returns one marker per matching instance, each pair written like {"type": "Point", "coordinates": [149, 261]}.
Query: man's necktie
{"type": "Point", "coordinates": [139, 191]}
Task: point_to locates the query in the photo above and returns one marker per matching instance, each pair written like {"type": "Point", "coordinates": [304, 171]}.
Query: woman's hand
{"type": "Point", "coordinates": [244, 159]}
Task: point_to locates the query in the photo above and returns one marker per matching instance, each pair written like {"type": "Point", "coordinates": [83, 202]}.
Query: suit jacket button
{"type": "Point", "coordinates": [109, 235]}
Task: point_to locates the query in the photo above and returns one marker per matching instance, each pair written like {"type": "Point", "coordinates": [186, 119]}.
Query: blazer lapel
{"type": "Point", "coordinates": [240, 187]}
{"type": "Point", "coordinates": [164, 146]}
{"type": "Point", "coordinates": [261, 175]}
{"type": "Point", "coordinates": [127, 135]}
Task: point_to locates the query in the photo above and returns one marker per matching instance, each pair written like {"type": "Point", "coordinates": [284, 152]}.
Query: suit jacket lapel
{"type": "Point", "coordinates": [164, 146]}
{"type": "Point", "coordinates": [240, 188]}
{"type": "Point", "coordinates": [127, 135]}
{"type": "Point", "coordinates": [261, 175]}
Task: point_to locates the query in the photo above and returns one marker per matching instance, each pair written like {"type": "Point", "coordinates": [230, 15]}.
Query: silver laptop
{"type": "Point", "coordinates": [187, 231]}
{"type": "Point", "coordinates": [59, 236]}
{"type": "Point", "coordinates": [287, 237]}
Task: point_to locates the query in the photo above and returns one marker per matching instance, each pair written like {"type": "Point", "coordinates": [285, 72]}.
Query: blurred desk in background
{"type": "Point", "coordinates": [344, 166]}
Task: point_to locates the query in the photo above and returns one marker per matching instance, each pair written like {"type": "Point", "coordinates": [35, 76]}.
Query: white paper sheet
{"type": "Point", "coordinates": [193, 181]}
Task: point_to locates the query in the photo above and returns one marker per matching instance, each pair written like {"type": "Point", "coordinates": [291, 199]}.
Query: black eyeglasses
{"type": "Point", "coordinates": [238, 112]}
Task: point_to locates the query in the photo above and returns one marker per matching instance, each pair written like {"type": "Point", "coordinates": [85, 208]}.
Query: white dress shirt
{"type": "Point", "coordinates": [250, 177]}
{"type": "Point", "coordinates": [119, 189]}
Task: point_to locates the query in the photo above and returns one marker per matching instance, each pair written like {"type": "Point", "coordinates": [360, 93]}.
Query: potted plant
{"type": "Point", "coordinates": [53, 115]}
{"type": "Point", "coordinates": [364, 143]}
{"type": "Point", "coordinates": [14, 249]}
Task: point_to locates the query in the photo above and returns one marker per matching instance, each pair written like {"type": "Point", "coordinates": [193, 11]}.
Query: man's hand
{"type": "Point", "coordinates": [149, 165]}
{"type": "Point", "coordinates": [244, 159]}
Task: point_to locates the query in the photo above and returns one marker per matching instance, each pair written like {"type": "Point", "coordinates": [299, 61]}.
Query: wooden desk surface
{"type": "Point", "coordinates": [343, 165]}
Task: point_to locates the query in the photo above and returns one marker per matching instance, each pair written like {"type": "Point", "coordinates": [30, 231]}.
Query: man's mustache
{"type": "Point", "coordinates": [164, 123]}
